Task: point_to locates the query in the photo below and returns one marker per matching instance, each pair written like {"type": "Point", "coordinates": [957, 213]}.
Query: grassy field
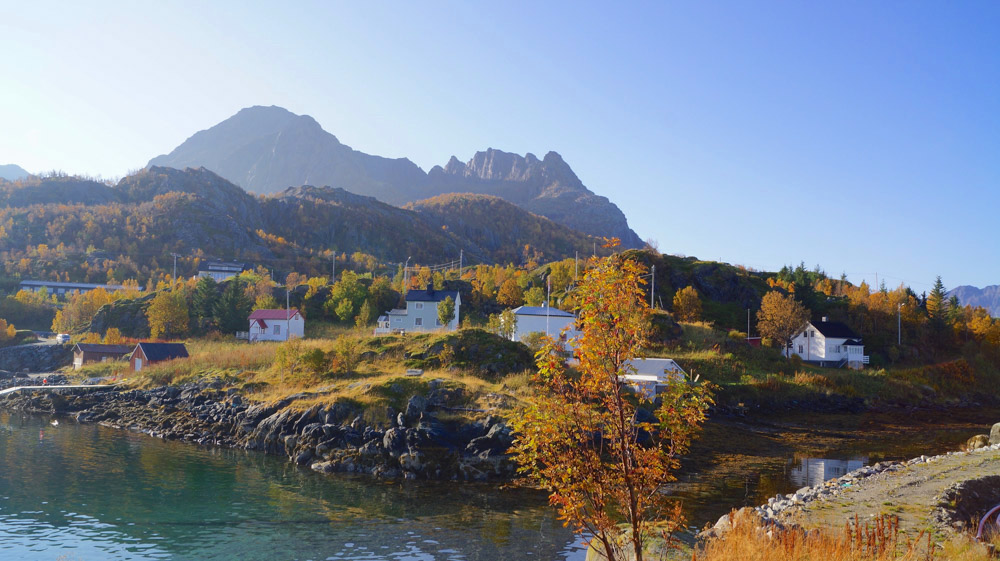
{"type": "Point", "coordinates": [340, 363]}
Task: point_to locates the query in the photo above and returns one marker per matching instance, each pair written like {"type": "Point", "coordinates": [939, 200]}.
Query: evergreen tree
{"type": "Point", "coordinates": [936, 303]}
{"type": "Point", "coordinates": [232, 308]}
{"type": "Point", "coordinates": [203, 300]}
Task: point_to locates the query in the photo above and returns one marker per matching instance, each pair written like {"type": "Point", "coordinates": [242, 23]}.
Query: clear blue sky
{"type": "Point", "coordinates": [860, 136]}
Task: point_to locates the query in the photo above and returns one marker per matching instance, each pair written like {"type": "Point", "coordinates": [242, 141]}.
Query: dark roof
{"type": "Point", "coordinates": [834, 329]}
{"type": "Point", "coordinates": [431, 295]}
{"type": "Point", "coordinates": [98, 348]}
{"type": "Point", "coordinates": [163, 351]}
{"type": "Point", "coordinates": [853, 343]}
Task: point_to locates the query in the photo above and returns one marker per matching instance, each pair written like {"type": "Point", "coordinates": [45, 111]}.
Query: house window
{"type": "Point", "coordinates": [277, 330]}
{"type": "Point", "coordinates": [800, 349]}
{"type": "Point", "coordinates": [418, 321]}
{"type": "Point", "coordinates": [812, 333]}
{"type": "Point", "coordinates": [419, 305]}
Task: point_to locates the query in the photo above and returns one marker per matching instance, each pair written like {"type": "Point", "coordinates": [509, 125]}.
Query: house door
{"type": "Point", "coordinates": [138, 364]}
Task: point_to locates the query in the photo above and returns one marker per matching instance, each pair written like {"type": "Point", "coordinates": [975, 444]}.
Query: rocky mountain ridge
{"type": "Point", "coordinates": [988, 297]}
{"type": "Point", "coordinates": [267, 149]}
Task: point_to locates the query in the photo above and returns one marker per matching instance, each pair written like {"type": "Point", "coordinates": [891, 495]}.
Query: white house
{"type": "Point", "coordinates": [652, 374]}
{"type": "Point", "coordinates": [543, 319]}
{"type": "Point", "coordinates": [829, 343]}
{"type": "Point", "coordinates": [276, 325]}
{"type": "Point", "coordinates": [63, 288]}
{"type": "Point", "coordinates": [421, 313]}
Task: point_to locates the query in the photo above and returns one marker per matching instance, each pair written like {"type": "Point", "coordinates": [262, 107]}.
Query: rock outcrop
{"type": "Point", "coordinates": [35, 358]}
{"type": "Point", "coordinates": [326, 438]}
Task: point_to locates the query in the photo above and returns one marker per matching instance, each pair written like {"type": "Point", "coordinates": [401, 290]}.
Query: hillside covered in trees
{"type": "Point", "coordinates": [77, 229]}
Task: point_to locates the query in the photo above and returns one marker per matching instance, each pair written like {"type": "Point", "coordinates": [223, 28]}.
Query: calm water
{"type": "Point", "coordinates": [84, 492]}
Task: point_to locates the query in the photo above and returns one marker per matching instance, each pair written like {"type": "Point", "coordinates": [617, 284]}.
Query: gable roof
{"type": "Point", "coordinates": [162, 351]}
{"type": "Point", "coordinates": [853, 343]}
{"type": "Point", "coordinates": [273, 314]}
{"type": "Point", "coordinates": [99, 348]}
{"type": "Point", "coordinates": [542, 311]}
{"type": "Point", "coordinates": [834, 329]}
{"type": "Point", "coordinates": [431, 295]}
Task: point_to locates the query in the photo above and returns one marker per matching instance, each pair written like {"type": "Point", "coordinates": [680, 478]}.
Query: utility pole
{"type": "Point", "coordinates": [899, 325]}
{"type": "Point", "coordinates": [461, 261]}
{"type": "Point", "coordinates": [174, 278]}
{"type": "Point", "coordinates": [748, 323]}
{"type": "Point", "coordinates": [548, 297]}
{"type": "Point", "coordinates": [652, 286]}
{"type": "Point", "coordinates": [576, 266]}
{"type": "Point", "coordinates": [288, 313]}
{"type": "Point", "coordinates": [406, 273]}
{"type": "Point", "coordinates": [333, 268]}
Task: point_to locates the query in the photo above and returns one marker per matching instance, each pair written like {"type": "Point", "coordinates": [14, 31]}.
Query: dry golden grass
{"type": "Point", "coordinates": [749, 540]}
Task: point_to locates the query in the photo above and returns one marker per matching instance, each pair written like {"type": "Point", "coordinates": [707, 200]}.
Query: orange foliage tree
{"type": "Point", "coordinates": [579, 436]}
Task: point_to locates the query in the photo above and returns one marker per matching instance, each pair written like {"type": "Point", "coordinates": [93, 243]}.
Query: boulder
{"type": "Point", "coordinates": [978, 441]}
{"type": "Point", "coordinates": [416, 406]}
{"type": "Point", "coordinates": [995, 434]}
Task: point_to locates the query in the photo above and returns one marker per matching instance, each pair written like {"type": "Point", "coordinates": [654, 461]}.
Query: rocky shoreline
{"type": "Point", "coordinates": [416, 444]}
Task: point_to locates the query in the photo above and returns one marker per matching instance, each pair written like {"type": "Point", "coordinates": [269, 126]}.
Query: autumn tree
{"type": "Point", "coordinates": [510, 294]}
{"type": "Point", "coordinates": [446, 311]}
{"type": "Point", "coordinates": [167, 314]}
{"type": "Point", "coordinates": [534, 296]}
{"type": "Point", "coordinates": [780, 317]}
{"type": "Point", "coordinates": [579, 435]}
{"type": "Point", "coordinates": [687, 304]}
{"type": "Point", "coordinates": [113, 336]}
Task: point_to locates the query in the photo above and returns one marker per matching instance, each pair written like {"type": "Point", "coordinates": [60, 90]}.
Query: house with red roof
{"type": "Point", "coordinates": [276, 325]}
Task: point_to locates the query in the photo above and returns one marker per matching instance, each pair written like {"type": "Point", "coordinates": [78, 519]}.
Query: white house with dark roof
{"type": "Point", "coordinates": [276, 325]}
{"type": "Point", "coordinates": [421, 313]}
{"type": "Point", "coordinates": [829, 343]}
{"type": "Point", "coordinates": [544, 319]}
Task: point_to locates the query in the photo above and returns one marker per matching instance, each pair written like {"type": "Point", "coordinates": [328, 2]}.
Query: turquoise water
{"type": "Point", "coordinates": [84, 492]}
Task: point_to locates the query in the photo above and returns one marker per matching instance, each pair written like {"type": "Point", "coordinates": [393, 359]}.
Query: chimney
{"type": "Point", "coordinates": [825, 319]}
{"type": "Point", "coordinates": [430, 287]}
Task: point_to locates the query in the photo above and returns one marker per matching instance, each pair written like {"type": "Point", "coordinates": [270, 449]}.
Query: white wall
{"type": "Point", "coordinates": [293, 328]}
{"type": "Point", "coordinates": [530, 324]}
{"type": "Point", "coordinates": [427, 314]}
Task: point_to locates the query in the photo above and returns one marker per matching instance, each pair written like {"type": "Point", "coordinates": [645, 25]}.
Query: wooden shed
{"type": "Point", "coordinates": [93, 352]}
{"type": "Point", "coordinates": [151, 353]}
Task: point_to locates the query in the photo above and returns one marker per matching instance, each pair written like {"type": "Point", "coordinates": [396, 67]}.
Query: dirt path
{"type": "Point", "coordinates": [912, 491]}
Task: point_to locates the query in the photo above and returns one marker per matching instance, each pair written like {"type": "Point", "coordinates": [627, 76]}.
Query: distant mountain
{"type": "Point", "coordinates": [267, 149]}
{"type": "Point", "coordinates": [12, 172]}
{"type": "Point", "coordinates": [988, 297]}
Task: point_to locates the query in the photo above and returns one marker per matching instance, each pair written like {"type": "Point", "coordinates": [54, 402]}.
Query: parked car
{"type": "Point", "coordinates": [62, 338]}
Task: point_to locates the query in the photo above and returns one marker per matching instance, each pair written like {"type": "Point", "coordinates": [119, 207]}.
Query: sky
{"type": "Point", "coordinates": [862, 137]}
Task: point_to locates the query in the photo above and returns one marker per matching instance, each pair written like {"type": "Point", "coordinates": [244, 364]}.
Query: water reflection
{"type": "Point", "coordinates": [89, 492]}
{"type": "Point", "coordinates": [808, 472]}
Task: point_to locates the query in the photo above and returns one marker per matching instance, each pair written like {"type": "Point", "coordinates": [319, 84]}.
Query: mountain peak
{"type": "Point", "coordinates": [266, 149]}
{"type": "Point", "coordinates": [12, 172]}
